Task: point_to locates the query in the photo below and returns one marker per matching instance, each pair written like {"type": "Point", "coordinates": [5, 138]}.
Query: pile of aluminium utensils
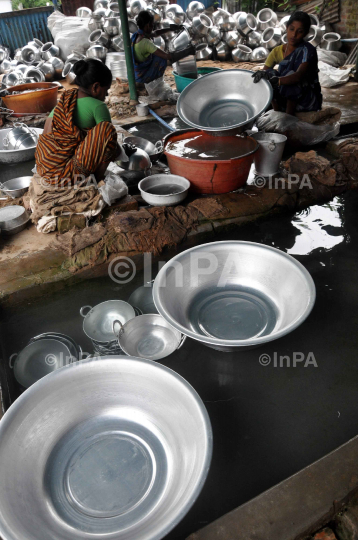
{"type": "Point", "coordinates": [36, 62]}
{"type": "Point", "coordinates": [241, 36]}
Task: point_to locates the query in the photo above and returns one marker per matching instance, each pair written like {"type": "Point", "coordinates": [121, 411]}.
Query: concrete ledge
{"type": "Point", "coordinates": [295, 508]}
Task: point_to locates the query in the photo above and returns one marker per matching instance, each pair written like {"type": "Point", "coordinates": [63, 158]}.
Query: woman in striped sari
{"type": "Point", "coordinates": [79, 138]}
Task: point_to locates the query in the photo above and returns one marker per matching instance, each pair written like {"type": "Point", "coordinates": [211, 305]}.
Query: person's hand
{"type": "Point", "coordinates": [263, 74]}
{"type": "Point", "coordinates": [268, 76]}
{"type": "Point", "coordinates": [274, 81]}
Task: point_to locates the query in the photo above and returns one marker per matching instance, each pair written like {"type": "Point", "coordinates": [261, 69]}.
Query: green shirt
{"type": "Point", "coordinates": [143, 49]}
{"type": "Point", "coordinates": [89, 112]}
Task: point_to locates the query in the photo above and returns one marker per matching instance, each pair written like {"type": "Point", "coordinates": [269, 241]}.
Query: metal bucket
{"type": "Point", "coordinates": [267, 158]}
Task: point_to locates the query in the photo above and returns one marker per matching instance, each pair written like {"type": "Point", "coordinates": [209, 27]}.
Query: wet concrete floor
{"type": "Point", "coordinates": [268, 422]}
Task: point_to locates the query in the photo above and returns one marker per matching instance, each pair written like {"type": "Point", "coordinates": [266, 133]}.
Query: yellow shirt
{"type": "Point", "coordinates": [275, 56]}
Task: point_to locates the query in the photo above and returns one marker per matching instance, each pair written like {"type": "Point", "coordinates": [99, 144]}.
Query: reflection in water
{"type": "Point", "coordinates": [319, 227]}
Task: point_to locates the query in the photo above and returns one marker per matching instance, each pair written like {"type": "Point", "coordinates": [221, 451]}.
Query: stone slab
{"type": "Point", "coordinates": [295, 508]}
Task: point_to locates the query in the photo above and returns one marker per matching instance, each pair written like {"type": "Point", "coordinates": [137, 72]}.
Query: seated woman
{"type": "Point", "coordinates": [79, 137]}
{"type": "Point", "coordinates": [150, 62]}
{"type": "Point", "coordinates": [295, 83]}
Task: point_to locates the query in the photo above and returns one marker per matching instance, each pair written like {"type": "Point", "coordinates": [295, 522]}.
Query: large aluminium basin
{"type": "Point", "coordinates": [223, 101]}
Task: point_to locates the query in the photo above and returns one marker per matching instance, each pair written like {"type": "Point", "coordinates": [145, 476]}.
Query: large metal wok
{"type": "Point", "coordinates": [224, 102]}
{"type": "Point", "coordinates": [114, 448]}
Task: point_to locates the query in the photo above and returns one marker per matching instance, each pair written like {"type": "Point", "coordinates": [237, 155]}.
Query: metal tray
{"type": "Point", "coordinates": [116, 448]}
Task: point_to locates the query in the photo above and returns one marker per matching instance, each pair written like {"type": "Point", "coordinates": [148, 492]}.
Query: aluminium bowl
{"type": "Point", "coordinates": [98, 320]}
{"type": "Point", "coordinates": [187, 66]}
{"type": "Point", "coordinates": [213, 36]}
{"type": "Point", "coordinates": [151, 149]}
{"type": "Point", "coordinates": [232, 39]}
{"type": "Point", "coordinates": [12, 216]}
{"type": "Point", "coordinates": [137, 5]}
{"type": "Point", "coordinates": [283, 23]}
{"type": "Point", "coordinates": [314, 36]}
{"type": "Point", "coordinates": [114, 447]}
{"type": "Point", "coordinates": [164, 189]}
{"type": "Point", "coordinates": [84, 12]}
{"type": "Point", "coordinates": [69, 74]}
{"type": "Point", "coordinates": [201, 24]}
{"type": "Point", "coordinates": [266, 18]}
{"type": "Point", "coordinates": [253, 39]}
{"type": "Point", "coordinates": [97, 51]}
{"type": "Point", "coordinates": [241, 54]}
{"type": "Point", "coordinates": [222, 51]}
{"type": "Point", "coordinates": [259, 54]}
{"type": "Point", "coordinates": [227, 24]}
{"type": "Point", "coordinates": [252, 294]}
{"type": "Point", "coordinates": [40, 358]}
{"type": "Point", "coordinates": [148, 336]}
{"type": "Point", "coordinates": [180, 42]}
{"type": "Point", "coordinates": [194, 9]}
{"type": "Point", "coordinates": [224, 101]}
{"type": "Point", "coordinates": [118, 44]}
{"type": "Point", "coordinates": [314, 19]}
{"type": "Point", "coordinates": [16, 156]}
{"type": "Point", "coordinates": [112, 26]}
{"type": "Point", "coordinates": [101, 4]}
{"type": "Point", "coordinates": [331, 41]}
{"type": "Point", "coordinates": [74, 347]}
{"type": "Point", "coordinates": [142, 298]}
{"type": "Point", "coordinates": [271, 37]}
{"type": "Point", "coordinates": [49, 50]}
{"type": "Point", "coordinates": [175, 13]}
{"type": "Point", "coordinates": [16, 187]}
{"type": "Point", "coordinates": [98, 37]}
{"type": "Point", "coordinates": [203, 52]}
{"type": "Point", "coordinates": [246, 23]}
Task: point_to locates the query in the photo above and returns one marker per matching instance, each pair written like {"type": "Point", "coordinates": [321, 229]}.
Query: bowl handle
{"type": "Point", "coordinates": [120, 331]}
{"type": "Point", "coordinates": [159, 146]}
{"type": "Point", "coordinates": [82, 311]}
{"type": "Point", "coordinates": [182, 341]}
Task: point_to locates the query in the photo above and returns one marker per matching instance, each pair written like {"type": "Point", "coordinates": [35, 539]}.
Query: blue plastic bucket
{"type": "Point", "coordinates": [182, 82]}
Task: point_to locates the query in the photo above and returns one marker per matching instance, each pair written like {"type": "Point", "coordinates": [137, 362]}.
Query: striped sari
{"type": "Point", "coordinates": [69, 151]}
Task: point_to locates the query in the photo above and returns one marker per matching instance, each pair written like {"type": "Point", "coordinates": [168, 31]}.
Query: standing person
{"type": "Point", "coordinates": [150, 62]}
{"type": "Point", "coordinates": [79, 137]}
{"type": "Point", "coordinates": [295, 83]}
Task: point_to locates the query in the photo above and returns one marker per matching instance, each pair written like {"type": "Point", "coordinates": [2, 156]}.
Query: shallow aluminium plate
{"type": "Point", "coordinates": [115, 448]}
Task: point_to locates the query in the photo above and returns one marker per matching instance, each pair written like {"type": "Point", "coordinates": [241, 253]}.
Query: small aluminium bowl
{"type": "Point", "coordinates": [164, 189]}
{"type": "Point", "coordinates": [148, 336]}
{"type": "Point", "coordinates": [16, 187]}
